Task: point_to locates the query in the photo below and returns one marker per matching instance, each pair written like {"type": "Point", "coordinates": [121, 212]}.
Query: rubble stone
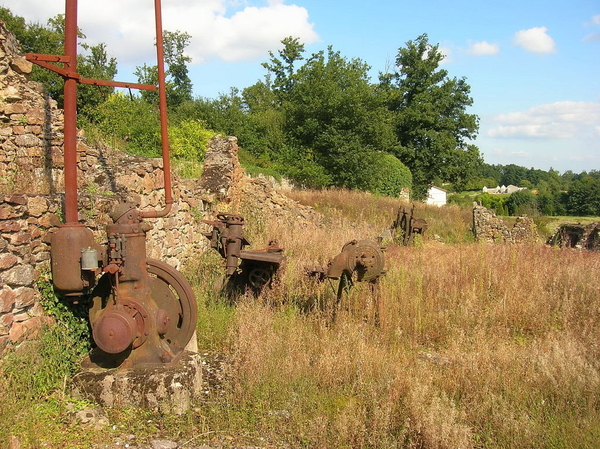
{"type": "Point", "coordinates": [489, 228]}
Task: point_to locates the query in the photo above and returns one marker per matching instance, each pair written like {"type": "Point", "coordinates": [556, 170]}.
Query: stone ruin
{"type": "Point", "coordinates": [577, 236]}
{"type": "Point", "coordinates": [32, 194]}
{"type": "Point", "coordinates": [489, 228]}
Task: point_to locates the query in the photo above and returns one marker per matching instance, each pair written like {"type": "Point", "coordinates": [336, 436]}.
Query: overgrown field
{"type": "Point", "coordinates": [474, 346]}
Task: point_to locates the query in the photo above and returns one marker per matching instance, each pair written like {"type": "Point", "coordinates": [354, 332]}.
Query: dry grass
{"type": "Point", "coordinates": [478, 346]}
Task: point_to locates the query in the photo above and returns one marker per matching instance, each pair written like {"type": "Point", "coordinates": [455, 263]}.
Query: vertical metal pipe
{"type": "Point", "coordinates": [70, 113]}
{"type": "Point", "coordinates": [162, 95]}
{"type": "Point", "coordinates": [162, 104]}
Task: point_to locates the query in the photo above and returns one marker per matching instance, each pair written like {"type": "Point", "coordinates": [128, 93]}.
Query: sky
{"type": "Point", "coordinates": [533, 66]}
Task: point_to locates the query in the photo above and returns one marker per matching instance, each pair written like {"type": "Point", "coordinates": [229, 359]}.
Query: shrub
{"type": "Point", "coordinates": [132, 121]}
{"type": "Point", "coordinates": [189, 139]}
{"type": "Point", "coordinates": [390, 175]}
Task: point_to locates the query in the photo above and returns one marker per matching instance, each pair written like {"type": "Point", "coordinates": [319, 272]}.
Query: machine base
{"type": "Point", "coordinates": [169, 388]}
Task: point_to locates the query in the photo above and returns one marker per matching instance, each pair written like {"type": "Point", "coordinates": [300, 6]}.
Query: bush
{"type": "Point", "coordinates": [133, 122]}
{"type": "Point", "coordinates": [189, 140]}
{"type": "Point", "coordinates": [522, 202]}
{"type": "Point", "coordinates": [390, 175]}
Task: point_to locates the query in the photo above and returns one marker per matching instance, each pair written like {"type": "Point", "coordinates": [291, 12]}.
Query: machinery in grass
{"type": "Point", "coordinates": [141, 311]}
{"type": "Point", "coordinates": [406, 226]}
{"type": "Point", "coordinates": [245, 270]}
{"type": "Point", "coordinates": [359, 261]}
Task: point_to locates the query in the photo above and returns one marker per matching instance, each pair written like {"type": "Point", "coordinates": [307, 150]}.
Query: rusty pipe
{"type": "Point", "coordinates": [70, 114]}
{"type": "Point", "coordinates": [162, 105]}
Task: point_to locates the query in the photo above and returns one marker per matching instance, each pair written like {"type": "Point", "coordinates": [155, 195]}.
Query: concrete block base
{"type": "Point", "coordinates": [168, 389]}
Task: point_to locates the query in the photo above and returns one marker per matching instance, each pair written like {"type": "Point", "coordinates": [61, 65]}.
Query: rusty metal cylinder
{"type": "Point", "coordinates": [114, 331]}
{"type": "Point", "coordinates": [65, 252]}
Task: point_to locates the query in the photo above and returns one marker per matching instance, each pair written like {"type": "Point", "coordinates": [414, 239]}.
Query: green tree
{"type": "Point", "coordinates": [96, 65]}
{"type": "Point", "coordinates": [49, 39]}
{"type": "Point", "coordinates": [130, 123]}
{"type": "Point", "coordinates": [522, 202]}
{"type": "Point", "coordinates": [430, 118]}
{"type": "Point", "coordinates": [513, 174]}
{"type": "Point", "coordinates": [583, 197]}
{"type": "Point", "coordinates": [331, 114]}
{"type": "Point", "coordinates": [177, 84]}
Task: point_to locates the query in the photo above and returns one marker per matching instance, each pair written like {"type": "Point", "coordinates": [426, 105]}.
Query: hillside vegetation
{"type": "Point", "coordinates": [475, 346]}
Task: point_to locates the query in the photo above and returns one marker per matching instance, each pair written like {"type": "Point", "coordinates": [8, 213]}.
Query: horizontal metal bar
{"type": "Point", "coordinates": [33, 57]}
{"type": "Point", "coordinates": [96, 82]}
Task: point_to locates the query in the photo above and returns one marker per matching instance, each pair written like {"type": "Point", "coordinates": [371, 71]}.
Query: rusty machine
{"type": "Point", "coordinates": [246, 270]}
{"type": "Point", "coordinates": [142, 311]}
{"type": "Point", "coordinates": [407, 226]}
{"type": "Point", "coordinates": [359, 261]}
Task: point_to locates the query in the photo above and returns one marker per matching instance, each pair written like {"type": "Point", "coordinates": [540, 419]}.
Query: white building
{"type": "Point", "coordinates": [436, 196]}
{"type": "Point", "coordinates": [502, 189]}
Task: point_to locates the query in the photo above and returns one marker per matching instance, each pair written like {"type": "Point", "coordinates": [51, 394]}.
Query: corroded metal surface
{"type": "Point", "coordinates": [142, 311]}
{"type": "Point", "coordinates": [245, 269]}
{"type": "Point", "coordinates": [359, 261]}
{"type": "Point", "coordinates": [409, 226]}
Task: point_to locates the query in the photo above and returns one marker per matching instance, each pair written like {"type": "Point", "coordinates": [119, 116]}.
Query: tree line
{"type": "Point", "coordinates": [544, 193]}
{"type": "Point", "coordinates": [317, 119]}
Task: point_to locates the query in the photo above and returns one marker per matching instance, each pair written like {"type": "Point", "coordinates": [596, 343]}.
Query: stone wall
{"type": "Point", "coordinates": [488, 228]}
{"type": "Point", "coordinates": [32, 194]}
{"type": "Point", "coordinates": [577, 235]}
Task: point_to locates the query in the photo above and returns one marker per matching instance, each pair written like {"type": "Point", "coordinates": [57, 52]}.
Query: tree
{"type": "Point", "coordinates": [522, 202]}
{"type": "Point", "coordinates": [430, 118]}
{"type": "Point", "coordinates": [513, 174]}
{"type": "Point", "coordinates": [97, 65]}
{"type": "Point", "coordinates": [583, 197]}
{"type": "Point", "coordinates": [283, 68]}
{"type": "Point", "coordinates": [178, 84]}
{"type": "Point", "coordinates": [331, 114]}
{"type": "Point", "coordinates": [49, 39]}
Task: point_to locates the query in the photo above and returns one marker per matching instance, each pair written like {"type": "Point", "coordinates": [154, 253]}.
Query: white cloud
{"type": "Point", "coordinates": [535, 40]}
{"type": "Point", "coordinates": [596, 19]}
{"type": "Point", "coordinates": [447, 55]}
{"type": "Point", "coordinates": [592, 37]}
{"type": "Point", "coordinates": [483, 48]}
{"type": "Point", "coordinates": [517, 154]}
{"type": "Point", "coordinates": [220, 29]}
{"type": "Point", "coordinates": [560, 120]}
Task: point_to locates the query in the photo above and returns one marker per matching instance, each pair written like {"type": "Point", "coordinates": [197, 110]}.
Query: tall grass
{"type": "Point", "coordinates": [476, 346]}
{"type": "Point", "coordinates": [459, 345]}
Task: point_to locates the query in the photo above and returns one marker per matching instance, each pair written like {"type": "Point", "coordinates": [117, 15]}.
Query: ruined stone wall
{"type": "Point", "coordinates": [32, 195]}
{"type": "Point", "coordinates": [488, 228]}
{"type": "Point", "coordinates": [576, 235]}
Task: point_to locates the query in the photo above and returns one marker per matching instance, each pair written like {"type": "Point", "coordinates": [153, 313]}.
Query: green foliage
{"type": "Point", "coordinates": [584, 196]}
{"type": "Point", "coordinates": [430, 118]}
{"type": "Point", "coordinates": [177, 83]}
{"type": "Point", "coordinates": [332, 119]}
{"type": "Point", "coordinates": [133, 122]}
{"type": "Point", "coordinates": [39, 369]}
{"type": "Point", "coordinates": [96, 65]}
{"type": "Point", "coordinates": [189, 140]}
{"type": "Point", "coordinates": [391, 175]}
{"type": "Point", "coordinates": [522, 202]}
{"type": "Point", "coordinates": [49, 39]}
{"type": "Point", "coordinates": [497, 203]}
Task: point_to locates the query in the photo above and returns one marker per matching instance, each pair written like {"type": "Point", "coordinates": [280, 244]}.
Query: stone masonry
{"type": "Point", "coordinates": [488, 228]}
{"type": "Point", "coordinates": [32, 194]}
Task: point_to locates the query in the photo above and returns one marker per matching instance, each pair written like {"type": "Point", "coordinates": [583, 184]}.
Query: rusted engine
{"type": "Point", "coordinates": [408, 226]}
{"type": "Point", "coordinates": [359, 261]}
{"type": "Point", "coordinates": [245, 269]}
{"type": "Point", "coordinates": [142, 311]}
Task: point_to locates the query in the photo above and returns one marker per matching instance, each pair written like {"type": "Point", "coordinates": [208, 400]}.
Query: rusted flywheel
{"type": "Point", "coordinates": [173, 294]}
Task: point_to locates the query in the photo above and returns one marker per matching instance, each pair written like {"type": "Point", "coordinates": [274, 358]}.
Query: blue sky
{"type": "Point", "coordinates": [533, 66]}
